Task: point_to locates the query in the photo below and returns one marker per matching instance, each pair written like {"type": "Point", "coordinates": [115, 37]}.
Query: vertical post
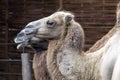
{"type": "Point", "coordinates": [26, 70]}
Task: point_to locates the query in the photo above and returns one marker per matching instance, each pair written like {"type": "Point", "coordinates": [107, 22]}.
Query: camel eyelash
{"type": "Point", "coordinates": [51, 23]}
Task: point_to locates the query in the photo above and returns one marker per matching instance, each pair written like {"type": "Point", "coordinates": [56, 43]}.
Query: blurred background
{"type": "Point", "coordinates": [97, 17]}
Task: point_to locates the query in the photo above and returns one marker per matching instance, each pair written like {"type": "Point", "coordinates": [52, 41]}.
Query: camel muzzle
{"type": "Point", "coordinates": [23, 37]}
{"type": "Point", "coordinates": [27, 36]}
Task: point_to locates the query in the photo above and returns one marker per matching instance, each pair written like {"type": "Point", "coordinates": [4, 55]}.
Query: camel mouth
{"type": "Point", "coordinates": [36, 44]}
{"type": "Point", "coordinates": [29, 40]}
{"type": "Point", "coordinates": [21, 40]}
{"type": "Point", "coordinates": [24, 36]}
{"type": "Point", "coordinates": [23, 44]}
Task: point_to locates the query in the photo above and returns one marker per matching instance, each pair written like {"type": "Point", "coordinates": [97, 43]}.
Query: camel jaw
{"type": "Point", "coordinates": [28, 42]}
{"type": "Point", "coordinates": [35, 43]}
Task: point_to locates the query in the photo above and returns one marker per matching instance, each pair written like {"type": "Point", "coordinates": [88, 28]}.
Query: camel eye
{"type": "Point", "coordinates": [51, 23]}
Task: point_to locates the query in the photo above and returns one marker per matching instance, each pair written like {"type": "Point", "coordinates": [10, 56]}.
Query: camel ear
{"type": "Point", "coordinates": [69, 18]}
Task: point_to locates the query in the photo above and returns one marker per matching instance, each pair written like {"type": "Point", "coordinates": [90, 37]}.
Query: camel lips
{"type": "Point", "coordinates": [22, 45]}
{"type": "Point", "coordinates": [29, 42]}
{"type": "Point", "coordinates": [22, 39]}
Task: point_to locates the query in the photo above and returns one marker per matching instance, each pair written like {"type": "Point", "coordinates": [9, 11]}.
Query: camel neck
{"type": "Point", "coordinates": [59, 60]}
{"type": "Point", "coordinates": [70, 46]}
{"type": "Point", "coordinates": [57, 48]}
{"type": "Point", "coordinates": [52, 60]}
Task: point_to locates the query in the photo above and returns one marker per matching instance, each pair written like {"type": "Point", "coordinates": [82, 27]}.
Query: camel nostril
{"type": "Point", "coordinates": [21, 34]}
{"type": "Point", "coordinates": [29, 31]}
{"type": "Point", "coordinates": [29, 26]}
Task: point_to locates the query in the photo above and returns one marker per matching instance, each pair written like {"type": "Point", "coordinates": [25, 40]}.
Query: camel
{"type": "Point", "coordinates": [66, 50]}
{"type": "Point", "coordinates": [65, 58]}
{"type": "Point", "coordinates": [40, 71]}
{"type": "Point", "coordinates": [74, 74]}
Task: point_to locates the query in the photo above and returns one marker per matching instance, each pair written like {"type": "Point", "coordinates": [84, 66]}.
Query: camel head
{"type": "Point", "coordinates": [26, 37]}
{"type": "Point", "coordinates": [62, 26]}
{"type": "Point", "coordinates": [51, 27]}
{"type": "Point", "coordinates": [48, 27]}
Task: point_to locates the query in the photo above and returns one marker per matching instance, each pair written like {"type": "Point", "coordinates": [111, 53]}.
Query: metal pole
{"type": "Point", "coordinates": [26, 70]}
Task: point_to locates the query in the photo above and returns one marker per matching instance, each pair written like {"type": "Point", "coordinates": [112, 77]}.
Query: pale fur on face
{"type": "Point", "coordinates": [52, 26]}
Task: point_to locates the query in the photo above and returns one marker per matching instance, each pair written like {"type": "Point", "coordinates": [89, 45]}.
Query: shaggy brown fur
{"type": "Point", "coordinates": [39, 66]}
{"type": "Point", "coordinates": [72, 40]}
{"type": "Point", "coordinates": [57, 45]}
